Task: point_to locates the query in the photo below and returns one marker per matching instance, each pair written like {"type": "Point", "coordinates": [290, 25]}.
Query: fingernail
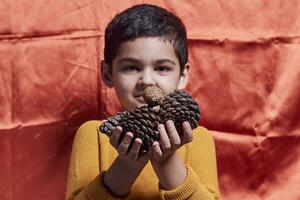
{"type": "Point", "coordinates": [185, 124]}
{"type": "Point", "coordinates": [154, 144]}
{"type": "Point", "coordinates": [160, 126]}
{"type": "Point", "coordinates": [127, 138]}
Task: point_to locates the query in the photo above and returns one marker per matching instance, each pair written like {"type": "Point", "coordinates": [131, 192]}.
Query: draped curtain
{"type": "Point", "coordinates": [245, 75]}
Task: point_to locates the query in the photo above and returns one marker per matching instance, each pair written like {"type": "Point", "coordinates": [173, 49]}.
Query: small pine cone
{"type": "Point", "coordinates": [153, 96]}
{"type": "Point", "coordinates": [142, 121]}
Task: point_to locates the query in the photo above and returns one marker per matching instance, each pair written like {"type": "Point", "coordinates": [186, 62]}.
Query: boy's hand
{"type": "Point", "coordinates": [122, 147]}
{"type": "Point", "coordinates": [127, 166]}
{"type": "Point", "coordinates": [165, 161]}
{"type": "Point", "coordinates": [170, 140]}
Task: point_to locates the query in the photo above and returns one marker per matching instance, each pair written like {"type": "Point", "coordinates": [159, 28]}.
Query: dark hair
{"type": "Point", "coordinates": [145, 20]}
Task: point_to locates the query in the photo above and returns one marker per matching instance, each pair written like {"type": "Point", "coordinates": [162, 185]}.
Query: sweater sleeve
{"type": "Point", "coordinates": [201, 181]}
{"type": "Point", "coordinates": [84, 176]}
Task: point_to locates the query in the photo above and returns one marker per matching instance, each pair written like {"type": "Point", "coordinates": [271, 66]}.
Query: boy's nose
{"type": "Point", "coordinates": [146, 78]}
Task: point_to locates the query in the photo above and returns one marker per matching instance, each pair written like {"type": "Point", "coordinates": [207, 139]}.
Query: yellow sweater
{"type": "Point", "coordinates": [92, 155]}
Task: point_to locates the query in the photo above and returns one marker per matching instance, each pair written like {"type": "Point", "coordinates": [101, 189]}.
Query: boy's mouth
{"type": "Point", "coordinates": [140, 99]}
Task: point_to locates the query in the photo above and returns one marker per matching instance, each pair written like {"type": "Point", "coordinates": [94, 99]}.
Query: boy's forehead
{"type": "Point", "coordinates": [147, 48]}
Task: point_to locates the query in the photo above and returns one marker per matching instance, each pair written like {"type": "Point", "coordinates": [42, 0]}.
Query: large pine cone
{"type": "Point", "coordinates": [142, 121]}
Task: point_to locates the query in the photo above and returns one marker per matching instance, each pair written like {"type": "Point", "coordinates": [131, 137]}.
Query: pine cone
{"type": "Point", "coordinates": [142, 121]}
{"type": "Point", "coordinates": [179, 107]}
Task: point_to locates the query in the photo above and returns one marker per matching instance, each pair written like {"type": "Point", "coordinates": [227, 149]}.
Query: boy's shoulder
{"type": "Point", "coordinates": [90, 124]}
{"type": "Point", "coordinates": [201, 130]}
{"type": "Point", "coordinates": [202, 134]}
{"type": "Point", "coordinates": [88, 129]}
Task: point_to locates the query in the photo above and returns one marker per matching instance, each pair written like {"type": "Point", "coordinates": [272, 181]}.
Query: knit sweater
{"type": "Point", "coordinates": [92, 155]}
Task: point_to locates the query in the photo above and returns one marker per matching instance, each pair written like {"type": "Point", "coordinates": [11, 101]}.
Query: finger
{"type": "Point", "coordinates": [164, 140]}
{"type": "Point", "coordinates": [134, 151]}
{"type": "Point", "coordinates": [156, 151]}
{"type": "Point", "coordinates": [115, 137]}
{"type": "Point", "coordinates": [187, 132]}
{"type": "Point", "coordinates": [173, 134]}
{"type": "Point", "coordinates": [123, 147]}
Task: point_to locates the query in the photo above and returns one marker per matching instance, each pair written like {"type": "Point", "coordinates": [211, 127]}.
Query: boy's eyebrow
{"type": "Point", "coordinates": [129, 59]}
{"type": "Point", "coordinates": [159, 61]}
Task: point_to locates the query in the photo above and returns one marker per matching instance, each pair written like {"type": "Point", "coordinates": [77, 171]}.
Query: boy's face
{"type": "Point", "coordinates": [141, 63]}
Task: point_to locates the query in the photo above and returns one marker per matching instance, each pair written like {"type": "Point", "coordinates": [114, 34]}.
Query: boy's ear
{"type": "Point", "coordinates": [106, 74]}
{"type": "Point", "coordinates": [184, 77]}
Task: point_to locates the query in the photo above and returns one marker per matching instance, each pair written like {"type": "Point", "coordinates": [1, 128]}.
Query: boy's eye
{"type": "Point", "coordinates": [130, 68]}
{"type": "Point", "coordinates": [162, 69]}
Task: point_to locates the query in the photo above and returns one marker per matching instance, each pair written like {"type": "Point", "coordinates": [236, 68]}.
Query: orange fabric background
{"type": "Point", "coordinates": [245, 74]}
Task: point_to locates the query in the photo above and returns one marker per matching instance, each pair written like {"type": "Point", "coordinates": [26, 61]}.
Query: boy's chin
{"type": "Point", "coordinates": [134, 105]}
{"type": "Point", "coordinates": [140, 104]}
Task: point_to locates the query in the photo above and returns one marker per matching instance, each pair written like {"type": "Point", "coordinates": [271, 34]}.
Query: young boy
{"type": "Point", "coordinates": [145, 45]}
